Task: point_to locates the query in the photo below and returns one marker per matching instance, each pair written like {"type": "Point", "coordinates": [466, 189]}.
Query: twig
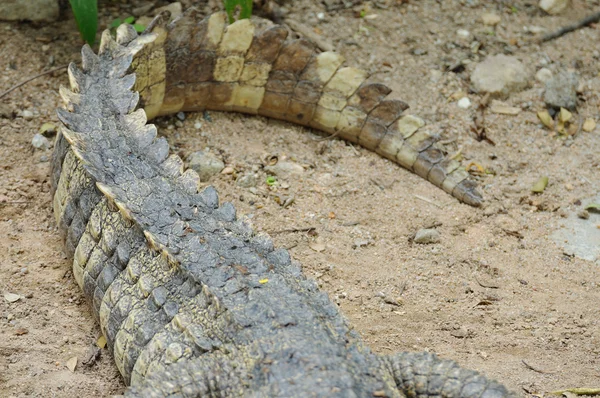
{"type": "Point", "coordinates": [535, 369]}
{"type": "Point", "coordinates": [329, 137]}
{"type": "Point", "coordinates": [486, 285]}
{"type": "Point", "coordinates": [590, 19]}
{"type": "Point", "coordinates": [578, 391]}
{"type": "Point", "coordinates": [292, 230]}
{"type": "Point", "coordinates": [424, 199]}
{"type": "Point", "coordinates": [13, 88]}
{"type": "Point", "coordinates": [308, 33]}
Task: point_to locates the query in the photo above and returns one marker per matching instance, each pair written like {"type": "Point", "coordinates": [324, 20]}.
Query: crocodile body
{"type": "Point", "coordinates": [191, 300]}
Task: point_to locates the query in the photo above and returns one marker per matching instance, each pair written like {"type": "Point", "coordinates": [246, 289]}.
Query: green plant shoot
{"type": "Point", "coordinates": [244, 5]}
{"type": "Point", "coordinates": [86, 16]}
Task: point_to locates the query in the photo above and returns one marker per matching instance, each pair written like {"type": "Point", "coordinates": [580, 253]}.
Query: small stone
{"type": "Point", "coordinates": [561, 91]}
{"type": "Point", "coordinates": [554, 7]}
{"type": "Point", "coordinates": [228, 170]}
{"type": "Point", "coordinates": [12, 297]}
{"type": "Point", "coordinates": [40, 142]}
{"type": "Point", "coordinates": [174, 8]}
{"type": "Point", "coordinates": [589, 125]}
{"type": "Point", "coordinates": [247, 181]}
{"type": "Point", "coordinates": [460, 333]}
{"type": "Point", "coordinates": [206, 164]}
{"type": "Point", "coordinates": [426, 236]}
{"type": "Point", "coordinates": [284, 168]}
{"type": "Point", "coordinates": [543, 75]}
{"type": "Point", "coordinates": [464, 103]}
{"type": "Point", "coordinates": [408, 124]}
{"type": "Point", "coordinates": [180, 116]}
{"type": "Point", "coordinates": [198, 125]}
{"type": "Point", "coordinates": [361, 243]}
{"type": "Point", "coordinates": [463, 33]}
{"type": "Point", "coordinates": [491, 19]}
{"type": "Point", "coordinates": [72, 364]}
{"type": "Point", "coordinates": [27, 114]}
{"type": "Point", "coordinates": [583, 214]}
{"type": "Point", "coordinates": [500, 75]}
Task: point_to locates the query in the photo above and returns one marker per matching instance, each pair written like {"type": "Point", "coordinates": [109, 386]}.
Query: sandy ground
{"type": "Point", "coordinates": [496, 294]}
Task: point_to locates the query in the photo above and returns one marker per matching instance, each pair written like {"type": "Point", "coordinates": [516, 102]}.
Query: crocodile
{"type": "Point", "coordinates": [191, 300]}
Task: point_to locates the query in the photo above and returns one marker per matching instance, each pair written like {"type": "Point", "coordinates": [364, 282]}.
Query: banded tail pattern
{"type": "Point", "coordinates": [252, 67]}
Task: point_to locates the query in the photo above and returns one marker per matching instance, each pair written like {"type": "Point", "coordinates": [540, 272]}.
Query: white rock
{"type": "Point", "coordinates": [27, 114]}
{"type": "Point", "coordinates": [491, 19]}
{"type": "Point", "coordinates": [174, 8]}
{"type": "Point", "coordinates": [543, 75]}
{"type": "Point", "coordinates": [464, 103]}
{"type": "Point", "coordinates": [40, 142]}
{"type": "Point", "coordinates": [554, 7]}
{"type": "Point", "coordinates": [427, 236]}
{"type": "Point", "coordinates": [463, 33]}
{"type": "Point", "coordinates": [500, 75]}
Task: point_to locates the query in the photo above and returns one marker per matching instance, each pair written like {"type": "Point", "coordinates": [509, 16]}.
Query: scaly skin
{"type": "Point", "coordinates": [193, 302]}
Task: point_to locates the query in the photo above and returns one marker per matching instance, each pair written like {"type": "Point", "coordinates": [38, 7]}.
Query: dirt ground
{"type": "Point", "coordinates": [495, 294]}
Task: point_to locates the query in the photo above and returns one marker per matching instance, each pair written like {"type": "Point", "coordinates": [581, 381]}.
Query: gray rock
{"type": "Point", "coordinates": [247, 181]}
{"type": "Point", "coordinates": [426, 236]}
{"type": "Point", "coordinates": [500, 75]}
{"type": "Point", "coordinates": [206, 164]}
{"type": "Point", "coordinates": [561, 91]}
{"type": "Point", "coordinates": [285, 168]}
{"type": "Point", "coordinates": [40, 142]}
{"type": "Point", "coordinates": [31, 10]}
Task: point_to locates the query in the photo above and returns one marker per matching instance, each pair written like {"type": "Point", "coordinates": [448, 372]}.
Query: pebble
{"type": "Point", "coordinates": [583, 214]}
{"type": "Point", "coordinates": [427, 236]}
{"type": "Point", "coordinates": [463, 33]}
{"type": "Point", "coordinates": [561, 91]}
{"type": "Point", "coordinates": [464, 103]}
{"type": "Point", "coordinates": [543, 75]}
{"type": "Point", "coordinates": [285, 168]}
{"type": "Point", "coordinates": [247, 180]}
{"type": "Point", "coordinates": [490, 19]}
{"type": "Point", "coordinates": [206, 164]}
{"type": "Point", "coordinates": [198, 125]}
{"type": "Point", "coordinates": [554, 7]}
{"type": "Point", "coordinates": [27, 114]}
{"type": "Point", "coordinates": [40, 142]}
{"type": "Point", "coordinates": [500, 75]}
{"type": "Point", "coordinates": [175, 9]}
{"type": "Point", "coordinates": [180, 116]}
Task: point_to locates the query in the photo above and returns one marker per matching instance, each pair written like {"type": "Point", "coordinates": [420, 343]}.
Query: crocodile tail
{"type": "Point", "coordinates": [423, 374]}
{"type": "Point", "coordinates": [251, 66]}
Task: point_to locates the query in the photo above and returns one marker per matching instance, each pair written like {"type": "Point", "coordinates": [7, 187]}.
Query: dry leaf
{"type": "Point", "coordinates": [546, 119]}
{"type": "Point", "coordinates": [540, 185]}
{"type": "Point", "coordinates": [11, 297]}
{"type": "Point", "coordinates": [72, 364]}
{"type": "Point", "coordinates": [503, 109]}
{"type": "Point", "coordinates": [101, 342]}
{"type": "Point", "coordinates": [589, 125]}
{"type": "Point", "coordinates": [564, 115]}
